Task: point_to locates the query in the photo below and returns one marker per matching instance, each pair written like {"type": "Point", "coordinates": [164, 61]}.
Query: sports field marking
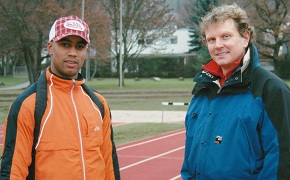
{"type": "Point", "coordinates": [130, 156]}
{"type": "Point", "coordinates": [153, 157]}
{"type": "Point", "coordinates": [1, 137]}
{"type": "Point", "coordinates": [176, 177]}
{"type": "Point", "coordinates": [152, 140]}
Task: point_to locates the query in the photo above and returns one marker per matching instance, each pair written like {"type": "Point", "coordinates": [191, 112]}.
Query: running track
{"type": "Point", "coordinates": [156, 158]}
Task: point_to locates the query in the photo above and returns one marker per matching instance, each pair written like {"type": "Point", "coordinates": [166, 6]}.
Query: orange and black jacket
{"type": "Point", "coordinates": [74, 141]}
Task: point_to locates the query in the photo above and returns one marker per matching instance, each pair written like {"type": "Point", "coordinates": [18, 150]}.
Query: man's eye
{"type": "Point", "coordinates": [80, 46]}
{"type": "Point", "coordinates": [226, 36]}
{"type": "Point", "coordinates": [210, 40]}
{"type": "Point", "coordinates": [65, 44]}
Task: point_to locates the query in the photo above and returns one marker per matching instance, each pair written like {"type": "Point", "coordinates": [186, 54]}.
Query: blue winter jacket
{"type": "Point", "coordinates": [240, 130]}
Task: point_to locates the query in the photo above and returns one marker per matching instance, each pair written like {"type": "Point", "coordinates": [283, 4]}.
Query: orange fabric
{"type": "Point", "coordinates": [75, 143]}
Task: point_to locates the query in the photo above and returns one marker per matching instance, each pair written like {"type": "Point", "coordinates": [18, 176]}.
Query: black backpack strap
{"type": "Point", "coordinates": [40, 106]}
{"type": "Point", "coordinates": [94, 97]}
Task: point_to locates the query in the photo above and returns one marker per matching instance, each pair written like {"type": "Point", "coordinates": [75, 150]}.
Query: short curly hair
{"type": "Point", "coordinates": [225, 12]}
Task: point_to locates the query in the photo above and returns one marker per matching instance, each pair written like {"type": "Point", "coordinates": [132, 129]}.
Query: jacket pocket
{"type": "Point", "coordinates": [92, 128]}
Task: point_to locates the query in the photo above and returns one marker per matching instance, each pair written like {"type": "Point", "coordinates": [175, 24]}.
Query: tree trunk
{"type": "Point", "coordinates": [95, 69]}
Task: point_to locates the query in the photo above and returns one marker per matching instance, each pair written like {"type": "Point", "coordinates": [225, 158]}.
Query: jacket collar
{"type": "Point", "coordinates": [240, 77]}
{"type": "Point", "coordinates": [63, 83]}
{"type": "Point", "coordinates": [213, 68]}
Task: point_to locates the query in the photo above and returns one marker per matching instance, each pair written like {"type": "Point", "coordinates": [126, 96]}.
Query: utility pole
{"type": "Point", "coordinates": [121, 44]}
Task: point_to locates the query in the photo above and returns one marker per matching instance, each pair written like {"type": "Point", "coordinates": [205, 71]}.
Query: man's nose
{"type": "Point", "coordinates": [219, 43]}
{"type": "Point", "coordinates": [72, 51]}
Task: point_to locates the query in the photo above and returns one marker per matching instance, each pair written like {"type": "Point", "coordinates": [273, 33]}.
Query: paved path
{"type": "Point", "coordinates": [147, 116]}
{"type": "Point", "coordinates": [18, 86]}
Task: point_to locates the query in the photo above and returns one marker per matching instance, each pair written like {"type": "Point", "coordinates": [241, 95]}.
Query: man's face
{"type": "Point", "coordinates": [225, 44]}
{"type": "Point", "coordinates": [67, 56]}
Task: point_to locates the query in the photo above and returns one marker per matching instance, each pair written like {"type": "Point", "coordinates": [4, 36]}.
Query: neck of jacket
{"type": "Point", "coordinates": [240, 80]}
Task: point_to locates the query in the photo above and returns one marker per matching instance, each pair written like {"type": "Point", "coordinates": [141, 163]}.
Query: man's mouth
{"type": "Point", "coordinates": [71, 63]}
{"type": "Point", "coordinates": [221, 54]}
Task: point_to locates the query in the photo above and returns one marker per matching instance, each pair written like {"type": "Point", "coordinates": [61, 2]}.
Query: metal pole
{"type": "Point", "coordinates": [88, 54]}
{"type": "Point", "coordinates": [121, 44]}
{"type": "Point", "coordinates": [88, 65]}
{"type": "Point", "coordinates": [83, 10]}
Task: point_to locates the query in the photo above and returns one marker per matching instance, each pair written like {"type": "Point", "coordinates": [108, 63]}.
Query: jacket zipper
{"type": "Point", "coordinates": [79, 130]}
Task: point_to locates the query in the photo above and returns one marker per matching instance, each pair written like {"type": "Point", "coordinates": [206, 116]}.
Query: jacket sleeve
{"type": "Point", "coordinates": [185, 172]}
{"type": "Point", "coordinates": [276, 96]}
{"type": "Point", "coordinates": [18, 139]}
{"type": "Point", "coordinates": [269, 142]}
{"type": "Point", "coordinates": [108, 148]}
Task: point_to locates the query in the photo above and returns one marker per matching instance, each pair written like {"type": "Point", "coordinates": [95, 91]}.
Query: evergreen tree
{"type": "Point", "coordinates": [199, 9]}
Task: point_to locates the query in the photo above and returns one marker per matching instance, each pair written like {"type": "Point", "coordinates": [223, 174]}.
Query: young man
{"type": "Point", "coordinates": [75, 138]}
{"type": "Point", "coordinates": [238, 121]}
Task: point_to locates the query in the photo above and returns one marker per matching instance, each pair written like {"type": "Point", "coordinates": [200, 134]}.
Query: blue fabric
{"type": "Point", "coordinates": [229, 134]}
{"type": "Point", "coordinates": [241, 122]}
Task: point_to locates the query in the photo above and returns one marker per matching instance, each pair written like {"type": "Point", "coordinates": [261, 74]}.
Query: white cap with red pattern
{"type": "Point", "coordinates": [70, 25]}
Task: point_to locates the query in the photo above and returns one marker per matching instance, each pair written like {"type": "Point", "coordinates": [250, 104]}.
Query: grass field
{"type": "Point", "coordinates": [145, 94]}
{"type": "Point", "coordinates": [134, 131]}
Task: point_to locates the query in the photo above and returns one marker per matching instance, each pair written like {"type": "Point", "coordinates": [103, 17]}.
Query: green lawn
{"type": "Point", "coordinates": [135, 131]}
{"type": "Point", "coordinates": [142, 84]}
{"type": "Point", "coordinates": [11, 81]}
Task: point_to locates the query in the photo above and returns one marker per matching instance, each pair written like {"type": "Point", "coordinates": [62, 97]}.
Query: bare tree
{"type": "Point", "coordinates": [271, 20]}
{"type": "Point", "coordinates": [100, 34]}
{"type": "Point", "coordinates": [143, 20]}
{"type": "Point", "coordinates": [25, 26]}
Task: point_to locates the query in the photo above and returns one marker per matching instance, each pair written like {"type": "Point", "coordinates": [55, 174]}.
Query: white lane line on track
{"type": "Point", "coordinates": [1, 136]}
{"type": "Point", "coordinates": [133, 157]}
{"type": "Point", "coordinates": [153, 157]}
{"type": "Point", "coordinates": [176, 177]}
{"type": "Point", "coordinates": [145, 142]}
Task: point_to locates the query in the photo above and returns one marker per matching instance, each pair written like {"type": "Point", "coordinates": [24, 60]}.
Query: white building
{"type": "Point", "coordinates": [175, 45]}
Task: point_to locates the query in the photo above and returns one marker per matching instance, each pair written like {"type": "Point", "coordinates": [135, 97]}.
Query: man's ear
{"type": "Point", "coordinates": [49, 48]}
{"type": "Point", "coordinates": [246, 36]}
